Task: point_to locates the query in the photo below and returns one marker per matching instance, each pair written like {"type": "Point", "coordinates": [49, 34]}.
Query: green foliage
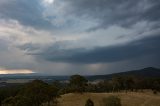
{"type": "Point", "coordinates": [111, 101]}
{"type": "Point", "coordinates": [78, 80]}
{"type": "Point", "coordinates": [78, 83]}
{"type": "Point", "coordinates": [89, 102]}
{"type": "Point", "coordinates": [39, 92]}
{"type": "Point", "coordinates": [57, 84]}
{"type": "Point", "coordinates": [34, 93]}
{"type": "Point", "coordinates": [9, 92]}
{"type": "Point", "coordinates": [122, 83]}
{"type": "Point", "coordinates": [17, 101]}
{"type": "Point", "coordinates": [116, 84]}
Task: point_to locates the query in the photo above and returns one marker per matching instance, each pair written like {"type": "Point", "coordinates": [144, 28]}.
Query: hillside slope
{"type": "Point", "coordinates": [149, 72]}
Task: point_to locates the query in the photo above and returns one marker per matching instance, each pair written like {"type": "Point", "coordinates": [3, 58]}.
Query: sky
{"type": "Point", "coordinates": [87, 37]}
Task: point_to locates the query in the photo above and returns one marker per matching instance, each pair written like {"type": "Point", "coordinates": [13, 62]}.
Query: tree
{"type": "Point", "coordinates": [6, 92]}
{"type": "Point", "coordinates": [78, 83]}
{"type": "Point", "coordinates": [34, 93]}
{"type": "Point", "coordinates": [118, 83]}
{"type": "Point", "coordinates": [128, 83]}
{"type": "Point", "coordinates": [17, 101]}
{"type": "Point", "coordinates": [39, 92]}
{"type": "Point", "coordinates": [57, 84]}
{"type": "Point", "coordinates": [104, 86]}
{"type": "Point", "coordinates": [52, 94]}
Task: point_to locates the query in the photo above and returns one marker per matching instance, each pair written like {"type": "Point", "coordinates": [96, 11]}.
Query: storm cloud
{"type": "Point", "coordinates": [134, 49]}
{"type": "Point", "coordinates": [109, 12]}
{"type": "Point", "coordinates": [79, 36]}
{"type": "Point", "coordinates": [27, 12]}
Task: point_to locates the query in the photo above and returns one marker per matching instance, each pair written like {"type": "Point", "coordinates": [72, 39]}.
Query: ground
{"type": "Point", "coordinates": [127, 99]}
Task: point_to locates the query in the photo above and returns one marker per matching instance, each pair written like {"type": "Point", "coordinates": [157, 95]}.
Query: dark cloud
{"type": "Point", "coordinates": [29, 47]}
{"type": "Point", "coordinates": [122, 12]}
{"type": "Point", "coordinates": [103, 12]}
{"type": "Point", "coordinates": [143, 47]}
{"type": "Point", "coordinates": [27, 12]}
{"type": "Point", "coordinates": [68, 24]}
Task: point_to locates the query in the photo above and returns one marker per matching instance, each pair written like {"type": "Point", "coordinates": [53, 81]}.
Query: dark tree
{"type": "Point", "coordinates": [39, 92]}
{"type": "Point", "coordinates": [78, 83]}
{"type": "Point", "coordinates": [117, 83]}
{"type": "Point", "coordinates": [128, 83]}
{"type": "Point", "coordinates": [17, 101]}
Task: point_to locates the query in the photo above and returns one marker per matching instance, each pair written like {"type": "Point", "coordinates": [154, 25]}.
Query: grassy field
{"type": "Point", "coordinates": [127, 99]}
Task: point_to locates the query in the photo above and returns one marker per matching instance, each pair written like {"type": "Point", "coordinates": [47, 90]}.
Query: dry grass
{"type": "Point", "coordinates": [127, 99]}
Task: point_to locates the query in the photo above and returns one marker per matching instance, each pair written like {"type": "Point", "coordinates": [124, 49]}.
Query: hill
{"type": "Point", "coordinates": [149, 72]}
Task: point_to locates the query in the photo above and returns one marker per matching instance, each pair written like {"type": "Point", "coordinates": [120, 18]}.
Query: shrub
{"type": "Point", "coordinates": [111, 101]}
{"type": "Point", "coordinates": [89, 102]}
{"type": "Point", "coordinates": [154, 92]}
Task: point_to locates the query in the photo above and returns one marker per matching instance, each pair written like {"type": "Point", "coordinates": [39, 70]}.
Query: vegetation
{"type": "Point", "coordinates": [37, 92]}
{"type": "Point", "coordinates": [8, 92]}
{"type": "Point", "coordinates": [78, 83]}
{"type": "Point", "coordinates": [17, 101]}
{"type": "Point", "coordinates": [125, 83]}
{"type": "Point", "coordinates": [89, 102]}
{"type": "Point", "coordinates": [34, 93]}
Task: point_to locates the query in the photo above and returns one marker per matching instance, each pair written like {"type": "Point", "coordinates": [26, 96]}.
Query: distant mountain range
{"type": "Point", "coordinates": [146, 72]}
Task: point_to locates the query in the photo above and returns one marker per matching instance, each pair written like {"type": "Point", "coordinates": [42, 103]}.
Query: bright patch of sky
{"type": "Point", "coordinates": [49, 1]}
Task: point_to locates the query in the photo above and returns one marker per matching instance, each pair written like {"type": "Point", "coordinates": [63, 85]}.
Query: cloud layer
{"type": "Point", "coordinates": [79, 36]}
{"type": "Point", "coordinates": [143, 47]}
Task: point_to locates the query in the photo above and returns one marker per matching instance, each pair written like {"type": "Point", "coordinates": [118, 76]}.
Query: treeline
{"type": "Point", "coordinates": [39, 93]}
{"type": "Point", "coordinates": [116, 84]}
{"type": "Point", "coordinates": [128, 83]}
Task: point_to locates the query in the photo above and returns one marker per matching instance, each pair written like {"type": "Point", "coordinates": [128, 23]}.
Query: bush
{"type": "Point", "coordinates": [89, 102]}
{"type": "Point", "coordinates": [154, 92]}
{"type": "Point", "coordinates": [111, 101]}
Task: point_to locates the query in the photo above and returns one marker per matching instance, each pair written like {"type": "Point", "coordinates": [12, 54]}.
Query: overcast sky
{"type": "Point", "coordinates": [64, 37]}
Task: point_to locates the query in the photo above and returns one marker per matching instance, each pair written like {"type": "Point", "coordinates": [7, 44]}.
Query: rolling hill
{"type": "Point", "coordinates": [149, 72]}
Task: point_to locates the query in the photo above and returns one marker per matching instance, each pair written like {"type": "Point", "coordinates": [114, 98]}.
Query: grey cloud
{"type": "Point", "coordinates": [131, 64]}
{"type": "Point", "coordinates": [29, 47]}
{"type": "Point", "coordinates": [79, 16]}
{"type": "Point", "coordinates": [108, 12]}
{"type": "Point", "coordinates": [27, 12]}
{"type": "Point", "coordinates": [143, 47]}
{"type": "Point", "coordinates": [11, 58]}
{"type": "Point", "coordinates": [3, 45]}
{"type": "Point", "coordinates": [103, 12]}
